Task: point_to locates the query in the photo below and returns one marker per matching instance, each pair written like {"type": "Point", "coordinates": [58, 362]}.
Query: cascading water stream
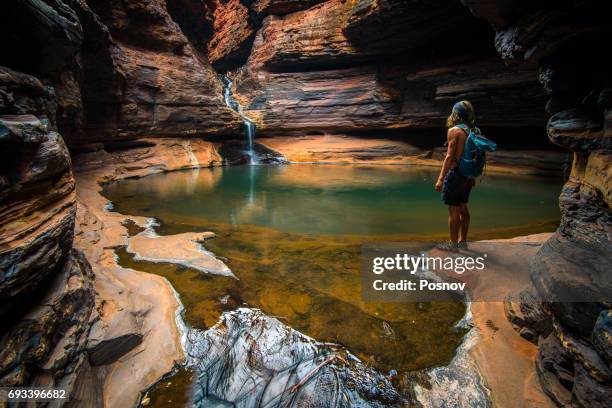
{"type": "Point", "coordinates": [248, 123]}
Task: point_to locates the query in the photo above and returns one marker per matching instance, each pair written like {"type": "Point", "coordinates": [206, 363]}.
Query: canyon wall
{"type": "Point", "coordinates": [46, 287]}
{"type": "Point", "coordinates": [141, 76]}
{"type": "Point", "coordinates": [388, 67]}
{"type": "Point", "coordinates": [94, 73]}
{"type": "Point", "coordinates": [380, 67]}
{"type": "Point", "coordinates": [570, 316]}
{"type": "Point", "coordinates": [47, 299]}
{"type": "Point", "coordinates": [64, 76]}
{"type": "Point", "coordinates": [120, 69]}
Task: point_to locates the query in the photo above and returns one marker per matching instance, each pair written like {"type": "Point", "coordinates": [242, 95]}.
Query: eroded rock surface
{"type": "Point", "coordinates": [137, 337]}
{"type": "Point", "coordinates": [38, 205]}
{"type": "Point", "coordinates": [524, 310]}
{"type": "Point", "coordinates": [119, 69]}
{"type": "Point", "coordinates": [233, 32]}
{"type": "Point", "coordinates": [46, 287]}
{"type": "Point", "coordinates": [155, 83]}
{"type": "Point", "coordinates": [185, 249]}
{"type": "Point", "coordinates": [251, 359]}
{"type": "Point", "coordinates": [43, 39]}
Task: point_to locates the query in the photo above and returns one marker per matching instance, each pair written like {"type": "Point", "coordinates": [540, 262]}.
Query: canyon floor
{"type": "Point", "coordinates": [138, 303]}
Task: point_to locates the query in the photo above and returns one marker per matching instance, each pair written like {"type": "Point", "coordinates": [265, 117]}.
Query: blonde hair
{"type": "Point", "coordinates": [463, 112]}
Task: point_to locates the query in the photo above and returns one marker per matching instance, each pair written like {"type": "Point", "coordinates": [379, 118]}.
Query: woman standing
{"type": "Point", "coordinates": [454, 186]}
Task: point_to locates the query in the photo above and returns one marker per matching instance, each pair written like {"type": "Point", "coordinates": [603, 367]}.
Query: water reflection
{"type": "Point", "coordinates": [333, 199]}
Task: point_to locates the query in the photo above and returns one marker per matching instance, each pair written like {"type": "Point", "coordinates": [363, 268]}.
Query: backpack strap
{"type": "Point", "coordinates": [465, 128]}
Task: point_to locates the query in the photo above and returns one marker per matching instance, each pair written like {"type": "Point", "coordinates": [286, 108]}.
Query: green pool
{"type": "Point", "coordinates": [292, 236]}
{"type": "Point", "coordinates": [332, 199]}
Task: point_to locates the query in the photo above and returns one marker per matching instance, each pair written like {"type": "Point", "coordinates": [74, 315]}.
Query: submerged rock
{"type": "Point", "coordinates": [181, 249]}
{"type": "Point", "coordinates": [250, 359]}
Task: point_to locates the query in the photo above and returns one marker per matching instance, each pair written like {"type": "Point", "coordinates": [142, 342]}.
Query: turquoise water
{"type": "Point", "coordinates": [332, 199]}
{"type": "Point", "coordinates": [292, 234]}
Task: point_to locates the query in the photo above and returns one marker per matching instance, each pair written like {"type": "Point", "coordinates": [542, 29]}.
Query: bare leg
{"type": "Point", "coordinates": [465, 222]}
{"type": "Point", "coordinates": [454, 222]}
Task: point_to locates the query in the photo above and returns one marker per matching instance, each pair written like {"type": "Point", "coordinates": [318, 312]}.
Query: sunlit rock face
{"type": "Point", "coordinates": [46, 292]}
{"type": "Point", "coordinates": [233, 32]}
{"type": "Point", "coordinates": [250, 359]}
{"type": "Point", "coordinates": [378, 97]}
{"type": "Point", "coordinates": [342, 66]}
{"type": "Point", "coordinates": [235, 23]}
{"type": "Point", "coordinates": [281, 7]}
{"type": "Point", "coordinates": [568, 41]}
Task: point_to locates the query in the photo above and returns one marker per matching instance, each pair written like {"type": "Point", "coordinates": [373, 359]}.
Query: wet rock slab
{"type": "Point", "coordinates": [250, 359]}
{"type": "Point", "coordinates": [182, 249]}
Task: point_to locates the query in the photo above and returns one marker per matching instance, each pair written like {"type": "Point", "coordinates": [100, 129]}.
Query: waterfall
{"type": "Point", "coordinates": [248, 123]}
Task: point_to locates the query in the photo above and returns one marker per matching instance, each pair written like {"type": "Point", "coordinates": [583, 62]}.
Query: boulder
{"type": "Point", "coordinates": [602, 335]}
{"type": "Point", "coordinates": [249, 359]}
{"type": "Point", "coordinates": [588, 392]}
{"type": "Point", "coordinates": [555, 369]}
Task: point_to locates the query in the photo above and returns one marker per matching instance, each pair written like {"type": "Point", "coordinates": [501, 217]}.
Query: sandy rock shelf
{"type": "Point", "coordinates": [181, 249]}
{"type": "Point", "coordinates": [137, 339]}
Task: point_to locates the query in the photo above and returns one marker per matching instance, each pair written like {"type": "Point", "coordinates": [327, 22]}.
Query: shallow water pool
{"type": "Point", "coordinates": [332, 199]}
{"type": "Point", "coordinates": [292, 235]}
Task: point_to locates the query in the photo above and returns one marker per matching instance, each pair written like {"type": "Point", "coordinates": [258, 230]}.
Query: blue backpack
{"type": "Point", "coordinates": [474, 153]}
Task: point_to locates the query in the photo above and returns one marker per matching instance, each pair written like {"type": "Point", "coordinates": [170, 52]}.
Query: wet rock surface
{"type": "Point", "coordinates": [249, 359]}
{"type": "Point", "coordinates": [184, 249]}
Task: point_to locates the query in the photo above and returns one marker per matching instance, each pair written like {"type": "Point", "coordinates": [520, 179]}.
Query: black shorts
{"type": "Point", "coordinates": [456, 188]}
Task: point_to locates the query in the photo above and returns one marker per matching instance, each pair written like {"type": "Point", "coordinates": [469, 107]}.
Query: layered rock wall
{"type": "Point", "coordinates": [46, 287]}
{"type": "Point", "coordinates": [146, 78]}
{"type": "Point", "coordinates": [571, 271]}
{"type": "Point", "coordinates": [101, 72]}
{"type": "Point", "coordinates": [363, 66]}
{"type": "Point", "coordinates": [120, 69]}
